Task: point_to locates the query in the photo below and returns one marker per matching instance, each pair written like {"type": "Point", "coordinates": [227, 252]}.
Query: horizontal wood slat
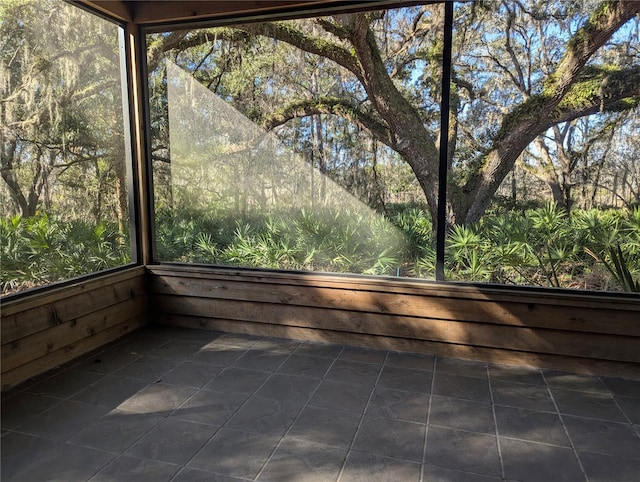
{"type": "Point", "coordinates": [69, 306]}
{"type": "Point", "coordinates": [21, 351]}
{"type": "Point", "coordinates": [599, 320]}
{"type": "Point", "coordinates": [403, 286]}
{"type": "Point", "coordinates": [491, 355]}
{"type": "Point", "coordinates": [579, 331]}
{"type": "Point", "coordinates": [20, 304]}
{"type": "Point", "coordinates": [46, 329]}
{"type": "Point", "coordinates": [489, 335]}
{"type": "Point", "coordinates": [69, 352]}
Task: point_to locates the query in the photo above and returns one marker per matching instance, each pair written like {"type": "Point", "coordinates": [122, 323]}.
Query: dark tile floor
{"type": "Point", "coordinates": [168, 404]}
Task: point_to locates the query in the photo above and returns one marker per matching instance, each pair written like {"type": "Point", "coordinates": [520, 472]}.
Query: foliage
{"type": "Point", "coordinates": [39, 249]}
{"type": "Point", "coordinates": [543, 246]}
{"type": "Point", "coordinates": [62, 144]}
{"type": "Point", "coordinates": [372, 131]}
{"type": "Point", "coordinates": [296, 239]}
{"type": "Point", "coordinates": [546, 247]}
{"type": "Point", "coordinates": [355, 92]}
{"type": "Point", "coordinates": [620, 260]}
{"type": "Point", "coordinates": [62, 135]}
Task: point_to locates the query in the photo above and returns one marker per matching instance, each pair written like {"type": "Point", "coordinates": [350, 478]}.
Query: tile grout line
{"type": "Point", "coordinates": [182, 467]}
{"type": "Point", "coordinates": [162, 419]}
{"type": "Point", "coordinates": [185, 465]}
{"type": "Point", "coordinates": [199, 390]}
{"type": "Point", "coordinates": [624, 413]}
{"type": "Point", "coordinates": [495, 424]}
{"type": "Point", "coordinates": [67, 441]}
{"type": "Point", "coordinates": [426, 430]}
{"type": "Point", "coordinates": [138, 356]}
{"type": "Point", "coordinates": [304, 405]}
{"type": "Point", "coordinates": [62, 400]}
{"type": "Point", "coordinates": [68, 398]}
{"type": "Point", "coordinates": [364, 410]}
{"type": "Point", "coordinates": [564, 426]}
{"type": "Point", "coordinates": [115, 455]}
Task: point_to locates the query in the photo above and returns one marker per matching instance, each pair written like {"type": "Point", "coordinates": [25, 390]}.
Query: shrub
{"type": "Point", "coordinates": [42, 249]}
{"type": "Point", "coordinates": [543, 246]}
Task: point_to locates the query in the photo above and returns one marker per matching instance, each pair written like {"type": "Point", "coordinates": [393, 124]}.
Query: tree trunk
{"type": "Point", "coordinates": [28, 204]}
{"type": "Point", "coordinates": [565, 96]}
{"type": "Point", "coordinates": [410, 138]}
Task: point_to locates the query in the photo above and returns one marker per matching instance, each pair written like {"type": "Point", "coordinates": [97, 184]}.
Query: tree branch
{"type": "Point", "coordinates": [596, 31]}
{"type": "Point", "coordinates": [331, 106]}
{"type": "Point", "coordinates": [506, 70]}
{"type": "Point", "coordinates": [332, 28]}
{"type": "Point", "coordinates": [599, 89]}
{"type": "Point", "coordinates": [520, 83]}
{"type": "Point", "coordinates": [285, 32]}
{"type": "Point", "coordinates": [182, 40]}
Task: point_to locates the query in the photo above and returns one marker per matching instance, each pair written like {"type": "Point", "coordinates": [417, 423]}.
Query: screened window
{"type": "Point", "coordinates": [543, 184]}
{"type": "Point", "coordinates": [64, 186]}
{"type": "Point", "coordinates": [315, 144]}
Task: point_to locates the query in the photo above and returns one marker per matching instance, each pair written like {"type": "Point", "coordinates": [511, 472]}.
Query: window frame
{"type": "Point", "coordinates": [131, 171]}
{"type": "Point", "coordinates": [443, 174]}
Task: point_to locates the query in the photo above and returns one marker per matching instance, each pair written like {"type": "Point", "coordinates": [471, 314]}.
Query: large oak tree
{"type": "Point", "coordinates": [389, 68]}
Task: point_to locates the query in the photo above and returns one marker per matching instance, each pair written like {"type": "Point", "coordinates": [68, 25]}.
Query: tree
{"type": "Point", "coordinates": [618, 179]}
{"type": "Point", "coordinates": [62, 140]}
{"type": "Point", "coordinates": [538, 44]}
{"type": "Point", "coordinates": [385, 69]}
{"type": "Point", "coordinates": [564, 158]}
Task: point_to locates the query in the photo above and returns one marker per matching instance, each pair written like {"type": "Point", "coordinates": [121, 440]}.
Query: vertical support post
{"type": "Point", "coordinates": [128, 130]}
{"type": "Point", "coordinates": [441, 221]}
{"type": "Point", "coordinates": [134, 48]}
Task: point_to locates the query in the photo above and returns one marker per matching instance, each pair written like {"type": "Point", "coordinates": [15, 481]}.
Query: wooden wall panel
{"type": "Point", "coordinates": [197, 10]}
{"type": "Point", "coordinates": [445, 305]}
{"type": "Point", "coordinates": [581, 332]}
{"type": "Point", "coordinates": [118, 9]}
{"type": "Point", "coordinates": [579, 365]}
{"type": "Point", "coordinates": [30, 321]}
{"type": "Point", "coordinates": [561, 342]}
{"type": "Point", "coordinates": [43, 331]}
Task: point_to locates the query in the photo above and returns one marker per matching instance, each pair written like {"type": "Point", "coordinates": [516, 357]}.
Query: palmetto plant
{"type": "Point", "coordinates": [619, 265]}
{"type": "Point", "coordinates": [468, 254]}
{"type": "Point", "coordinates": [43, 249]}
{"type": "Point", "coordinates": [206, 248]}
{"type": "Point", "coordinates": [613, 239]}
{"type": "Point", "coordinates": [543, 246]}
{"type": "Point", "coordinates": [299, 239]}
{"type": "Point", "coordinates": [550, 241]}
{"type": "Point", "coordinates": [14, 270]}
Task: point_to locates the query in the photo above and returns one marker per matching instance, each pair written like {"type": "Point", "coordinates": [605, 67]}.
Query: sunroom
{"type": "Point", "coordinates": [320, 240]}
